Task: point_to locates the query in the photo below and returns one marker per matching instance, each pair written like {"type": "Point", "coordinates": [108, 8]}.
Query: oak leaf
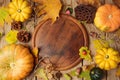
{"type": "Point", "coordinates": [50, 8]}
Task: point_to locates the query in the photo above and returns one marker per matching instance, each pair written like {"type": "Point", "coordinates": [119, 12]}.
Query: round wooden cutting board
{"type": "Point", "coordinates": [60, 41]}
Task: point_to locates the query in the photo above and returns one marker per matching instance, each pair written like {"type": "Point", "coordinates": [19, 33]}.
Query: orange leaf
{"type": "Point", "coordinates": [50, 8]}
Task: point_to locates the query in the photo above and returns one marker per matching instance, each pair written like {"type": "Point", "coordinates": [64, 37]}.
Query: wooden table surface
{"type": "Point", "coordinates": [32, 22]}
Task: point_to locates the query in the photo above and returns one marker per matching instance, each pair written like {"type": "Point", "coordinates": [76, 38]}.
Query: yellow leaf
{"type": "Point", "coordinates": [4, 16]}
{"type": "Point", "coordinates": [11, 37]}
{"type": "Point", "coordinates": [50, 8]}
{"type": "Point", "coordinates": [35, 51]}
{"type": "Point", "coordinates": [40, 73]}
{"type": "Point", "coordinates": [99, 43]}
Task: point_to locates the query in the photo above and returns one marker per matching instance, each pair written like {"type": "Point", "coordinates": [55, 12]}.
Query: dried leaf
{"type": "Point", "coordinates": [35, 51]}
{"type": "Point", "coordinates": [50, 8]}
{"type": "Point", "coordinates": [67, 77]}
{"type": "Point", "coordinates": [85, 74]}
{"type": "Point", "coordinates": [86, 71]}
{"type": "Point", "coordinates": [73, 73]}
{"type": "Point", "coordinates": [41, 74]}
{"type": "Point", "coordinates": [11, 36]}
{"type": "Point", "coordinates": [96, 3]}
{"type": "Point", "coordinates": [82, 72]}
{"type": "Point", "coordinates": [85, 53]}
{"type": "Point", "coordinates": [88, 67]}
{"type": "Point", "coordinates": [99, 43]}
{"type": "Point", "coordinates": [4, 16]}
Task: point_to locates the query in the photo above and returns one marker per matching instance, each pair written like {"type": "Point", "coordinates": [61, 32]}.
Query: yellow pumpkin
{"type": "Point", "coordinates": [20, 10]}
{"type": "Point", "coordinates": [16, 62]}
{"type": "Point", "coordinates": [107, 58]}
{"type": "Point", "coordinates": [107, 18]}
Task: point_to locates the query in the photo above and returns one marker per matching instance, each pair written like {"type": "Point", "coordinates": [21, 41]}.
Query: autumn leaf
{"type": "Point", "coordinates": [40, 73]}
{"type": "Point", "coordinates": [82, 72]}
{"type": "Point", "coordinates": [85, 74]}
{"type": "Point", "coordinates": [67, 77]}
{"type": "Point", "coordinates": [99, 43]}
{"type": "Point", "coordinates": [50, 8]}
{"type": "Point", "coordinates": [85, 53]}
{"type": "Point", "coordinates": [35, 51]}
{"type": "Point", "coordinates": [11, 36]}
{"type": "Point", "coordinates": [4, 16]}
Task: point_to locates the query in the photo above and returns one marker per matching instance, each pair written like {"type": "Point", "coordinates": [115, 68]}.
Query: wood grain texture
{"type": "Point", "coordinates": [32, 22]}
{"type": "Point", "coordinates": [61, 41]}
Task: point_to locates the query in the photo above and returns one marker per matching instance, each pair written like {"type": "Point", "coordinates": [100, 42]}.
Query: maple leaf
{"type": "Point", "coordinates": [50, 8]}
{"type": "Point", "coordinates": [4, 16]}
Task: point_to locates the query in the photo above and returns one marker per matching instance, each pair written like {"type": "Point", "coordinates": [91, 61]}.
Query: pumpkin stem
{"type": "Point", "coordinates": [110, 16]}
{"type": "Point", "coordinates": [12, 65]}
{"type": "Point", "coordinates": [19, 10]}
{"type": "Point", "coordinates": [92, 72]}
{"type": "Point", "coordinates": [107, 56]}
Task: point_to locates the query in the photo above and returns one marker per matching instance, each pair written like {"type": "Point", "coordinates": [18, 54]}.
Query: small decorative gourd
{"type": "Point", "coordinates": [107, 18]}
{"type": "Point", "coordinates": [107, 58]}
{"type": "Point", "coordinates": [20, 10]}
{"type": "Point", "coordinates": [96, 73]}
{"type": "Point", "coordinates": [16, 62]}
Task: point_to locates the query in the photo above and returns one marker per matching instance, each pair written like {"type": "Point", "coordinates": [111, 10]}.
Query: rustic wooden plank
{"type": "Point", "coordinates": [31, 23]}
{"type": "Point", "coordinates": [91, 28]}
{"type": "Point", "coordinates": [5, 29]}
{"type": "Point", "coordinates": [4, 2]}
{"type": "Point", "coordinates": [112, 36]}
{"type": "Point", "coordinates": [109, 1]}
{"type": "Point", "coordinates": [111, 73]}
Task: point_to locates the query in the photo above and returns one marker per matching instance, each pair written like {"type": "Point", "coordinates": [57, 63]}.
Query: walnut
{"type": "Point", "coordinates": [16, 25]}
{"type": "Point", "coordinates": [23, 36]}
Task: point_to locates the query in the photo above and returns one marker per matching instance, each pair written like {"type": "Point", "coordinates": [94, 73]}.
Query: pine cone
{"type": "Point", "coordinates": [16, 25]}
{"type": "Point", "coordinates": [85, 13]}
{"type": "Point", "coordinates": [23, 36]}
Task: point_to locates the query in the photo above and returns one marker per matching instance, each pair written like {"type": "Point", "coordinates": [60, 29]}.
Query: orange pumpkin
{"type": "Point", "coordinates": [107, 18]}
{"type": "Point", "coordinates": [16, 62]}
